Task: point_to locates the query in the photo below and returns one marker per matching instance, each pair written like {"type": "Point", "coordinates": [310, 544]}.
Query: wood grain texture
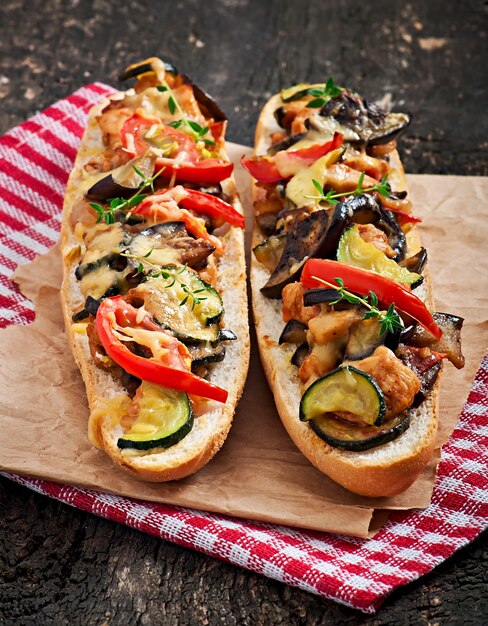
{"type": "Point", "coordinates": [62, 566]}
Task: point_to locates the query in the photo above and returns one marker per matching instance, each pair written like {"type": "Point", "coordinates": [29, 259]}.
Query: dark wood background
{"type": "Point", "coordinates": [62, 566]}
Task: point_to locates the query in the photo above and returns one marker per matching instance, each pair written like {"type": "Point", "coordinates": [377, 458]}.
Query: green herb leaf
{"type": "Point", "coordinates": [318, 186]}
{"type": "Point", "coordinates": [331, 197]}
{"type": "Point", "coordinates": [172, 105]}
{"type": "Point", "coordinates": [317, 103]}
{"type": "Point", "coordinates": [388, 321]}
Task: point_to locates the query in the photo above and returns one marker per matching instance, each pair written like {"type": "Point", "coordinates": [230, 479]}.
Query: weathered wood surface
{"type": "Point", "coordinates": [62, 566]}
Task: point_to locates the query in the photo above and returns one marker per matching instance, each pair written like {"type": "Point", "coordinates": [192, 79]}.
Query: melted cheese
{"type": "Point", "coordinates": [96, 282]}
{"type": "Point", "coordinates": [117, 408]}
{"type": "Point", "coordinates": [301, 190]}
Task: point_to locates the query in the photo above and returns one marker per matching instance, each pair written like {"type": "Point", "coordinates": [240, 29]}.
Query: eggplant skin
{"type": "Point", "coordinates": [359, 438]}
{"type": "Point", "coordinates": [293, 332]}
{"type": "Point", "coordinates": [374, 124]}
{"type": "Point", "coordinates": [426, 375]}
{"type": "Point", "coordinates": [302, 243]}
{"type": "Point", "coordinates": [300, 354]}
{"type": "Point", "coordinates": [449, 343]}
{"type": "Point", "coordinates": [361, 209]}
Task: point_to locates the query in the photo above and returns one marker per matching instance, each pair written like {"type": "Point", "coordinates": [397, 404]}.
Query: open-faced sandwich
{"type": "Point", "coordinates": [341, 299]}
{"type": "Point", "coordinates": [154, 293]}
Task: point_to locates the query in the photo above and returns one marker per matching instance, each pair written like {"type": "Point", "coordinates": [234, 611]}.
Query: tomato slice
{"type": "Point", "coordinates": [170, 367]}
{"type": "Point", "coordinates": [139, 133]}
{"type": "Point", "coordinates": [181, 160]}
{"type": "Point", "coordinates": [362, 281]}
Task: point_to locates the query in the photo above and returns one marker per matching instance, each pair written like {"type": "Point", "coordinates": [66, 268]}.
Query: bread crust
{"type": "Point", "coordinates": [211, 428]}
{"type": "Point", "coordinates": [384, 471]}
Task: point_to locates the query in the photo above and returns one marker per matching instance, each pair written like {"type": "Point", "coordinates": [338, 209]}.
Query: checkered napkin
{"type": "Point", "coordinates": [35, 160]}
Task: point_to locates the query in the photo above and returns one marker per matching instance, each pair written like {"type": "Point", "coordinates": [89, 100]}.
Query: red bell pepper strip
{"type": "Point", "coordinates": [208, 171]}
{"type": "Point", "coordinates": [363, 281]}
{"type": "Point", "coordinates": [184, 162]}
{"type": "Point", "coordinates": [164, 207]}
{"type": "Point", "coordinates": [404, 218]}
{"type": "Point", "coordinates": [172, 370]}
{"type": "Point", "coordinates": [266, 169]}
{"type": "Point", "coordinates": [212, 205]}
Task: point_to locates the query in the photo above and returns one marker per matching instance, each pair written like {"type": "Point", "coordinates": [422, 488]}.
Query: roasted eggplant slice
{"type": "Point", "coordinates": [123, 181]}
{"type": "Point", "coordinates": [182, 302]}
{"type": "Point", "coordinates": [302, 243]}
{"type": "Point", "coordinates": [103, 271]}
{"type": "Point", "coordinates": [293, 332]}
{"type": "Point", "coordinates": [227, 335]}
{"type": "Point", "coordinates": [449, 343]}
{"type": "Point", "coordinates": [346, 436]}
{"type": "Point", "coordinates": [206, 352]}
{"type": "Point", "coordinates": [417, 262]}
{"type": "Point", "coordinates": [267, 223]}
{"type": "Point", "coordinates": [427, 369]}
{"type": "Point", "coordinates": [364, 337]}
{"type": "Point", "coordinates": [167, 243]}
{"type": "Point", "coordinates": [269, 252]}
{"type": "Point", "coordinates": [362, 209]}
{"type": "Point", "coordinates": [285, 143]}
{"type": "Point", "coordinates": [370, 121]}
{"type": "Point", "coordinates": [302, 351]}
{"type": "Point", "coordinates": [319, 296]}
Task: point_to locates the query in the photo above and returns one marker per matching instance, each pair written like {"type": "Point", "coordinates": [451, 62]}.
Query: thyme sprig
{"type": "Point", "coordinates": [107, 214]}
{"type": "Point", "coordinates": [192, 128]}
{"type": "Point", "coordinates": [389, 320]}
{"type": "Point", "coordinates": [173, 275]}
{"type": "Point", "coordinates": [383, 188]}
{"type": "Point", "coordinates": [323, 95]}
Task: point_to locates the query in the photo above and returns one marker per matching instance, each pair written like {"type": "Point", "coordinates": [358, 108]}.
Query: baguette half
{"type": "Point", "coordinates": [106, 395]}
{"type": "Point", "coordinates": [385, 470]}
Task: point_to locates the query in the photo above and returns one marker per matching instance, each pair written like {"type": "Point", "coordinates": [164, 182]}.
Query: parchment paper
{"type": "Point", "coordinates": [258, 474]}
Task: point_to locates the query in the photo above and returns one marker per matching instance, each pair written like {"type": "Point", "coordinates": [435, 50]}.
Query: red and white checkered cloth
{"type": "Point", "coordinates": [35, 160]}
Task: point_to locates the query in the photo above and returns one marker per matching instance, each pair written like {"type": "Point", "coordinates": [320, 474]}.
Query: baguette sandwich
{"type": "Point", "coordinates": [154, 294]}
{"type": "Point", "coordinates": [341, 294]}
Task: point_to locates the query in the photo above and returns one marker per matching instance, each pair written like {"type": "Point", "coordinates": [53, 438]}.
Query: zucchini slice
{"type": "Point", "coordinates": [165, 417]}
{"type": "Point", "coordinates": [352, 249]}
{"type": "Point", "coordinates": [356, 438]}
{"type": "Point", "coordinates": [345, 389]}
{"type": "Point", "coordinates": [184, 303]}
{"type": "Point", "coordinates": [296, 92]}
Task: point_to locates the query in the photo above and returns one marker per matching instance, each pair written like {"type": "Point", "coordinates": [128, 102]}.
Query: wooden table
{"type": "Point", "coordinates": [62, 566]}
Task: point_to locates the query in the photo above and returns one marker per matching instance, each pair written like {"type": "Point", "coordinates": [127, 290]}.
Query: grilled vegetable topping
{"type": "Point", "coordinates": [117, 323]}
{"type": "Point", "coordinates": [302, 243]}
{"type": "Point", "coordinates": [354, 250]}
{"type": "Point", "coordinates": [293, 332]}
{"type": "Point", "coordinates": [124, 180]}
{"type": "Point", "coordinates": [346, 392]}
{"type": "Point", "coordinates": [168, 243]}
{"type": "Point", "coordinates": [346, 436]}
{"type": "Point", "coordinates": [180, 300]}
{"type": "Point", "coordinates": [316, 271]}
{"type": "Point", "coordinates": [269, 251]}
{"type": "Point", "coordinates": [165, 417]}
